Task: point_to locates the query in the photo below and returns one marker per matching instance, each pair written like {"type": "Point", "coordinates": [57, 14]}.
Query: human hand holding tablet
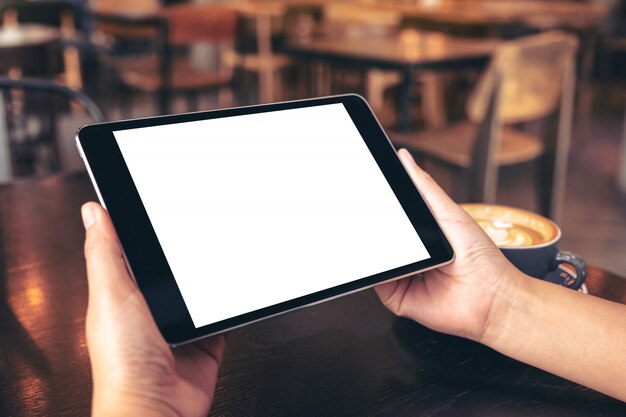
{"type": "Point", "coordinates": [232, 216]}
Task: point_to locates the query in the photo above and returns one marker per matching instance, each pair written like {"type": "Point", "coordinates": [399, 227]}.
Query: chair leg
{"type": "Point", "coordinates": [549, 163]}
{"type": "Point", "coordinates": [225, 97]}
{"type": "Point", "coordinates": [451, 179]}
{"type": "Point", "coordinates": [377, 82]}
{"type": "Point", "coordinates": [434, 106]}
{"type": "Point", "coordinates": [6, 168]}
{"type": "Point", "coordinates": [164, 98]}
{"type": "Point", "coordinates": [305, 79]}
{"type": "Point", "coordinates": [55, 159]}
{"type": "Point", "coordinates": [481, 188]}
{"type": "Point", "coordinates": [460, 186]}
{"type": "Point", "coordinates": [126, 102]}
{"type": "Point", "coordinates": [621, 165]}
{"type": "Point", "coordinates": [491, 187]}
{"type": "Point", "coordinates": [544, 169]}
{"type": "Point", "coordinates": [322, 79]}
{"type": "Point", "coordinates": [278, 84]}
{"type": "Point", "coordinates": [192, 100]}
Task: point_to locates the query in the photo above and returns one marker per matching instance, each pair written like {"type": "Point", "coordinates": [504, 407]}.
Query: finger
{"type": "Point", "coordinates": [106, 269]}
{"type": "Point", "coordinates": [394, 296]}
{"type": "Point", "coordinates": [436, 198]}
{"type": "Point", "coordinates": [214, 346]}
{"type": "Point", "coordinates": [204, 357]}
{"type": "Point", "coordinates": [386, 293]}
{"type": "Point", "coordinates": [460, 228]}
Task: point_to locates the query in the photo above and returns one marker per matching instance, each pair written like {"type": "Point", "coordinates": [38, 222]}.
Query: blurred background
{"type": "Point", "coordinates": [515, 102]}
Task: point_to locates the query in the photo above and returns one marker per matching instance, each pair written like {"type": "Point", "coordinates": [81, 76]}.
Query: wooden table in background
{"type": "Point", "coordinates": [27, 47]}
{"type": "Point", "coordinates": [345, 357]}
{"type": "Point", "coordinates": [408, 52]}
{"type": "Point", "coordinates": [553, 13]}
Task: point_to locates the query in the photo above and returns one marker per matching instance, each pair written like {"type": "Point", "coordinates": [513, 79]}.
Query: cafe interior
{"type": "Point", "coordinates": [519, 103]}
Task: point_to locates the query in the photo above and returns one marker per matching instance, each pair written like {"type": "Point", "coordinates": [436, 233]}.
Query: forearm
{"type": "Point", "coordinates": [576, 336]}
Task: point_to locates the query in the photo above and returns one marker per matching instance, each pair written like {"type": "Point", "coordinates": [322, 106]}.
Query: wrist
{"type": "Point", "coordinates": [504, 299]}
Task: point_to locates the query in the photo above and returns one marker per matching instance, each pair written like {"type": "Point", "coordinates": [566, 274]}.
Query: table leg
{"type": "Point", "coordinates": [322, 81]}
{"type": "Point", "coordinates": [434, 109]}
{"type": "Point", "coordinates": [5, 151]}
{"type": "Point", "coordinates": [264, 46]}
{"type": "Point", "coordinates": [621, 164]}
{"type": "Point", "coordinates": [404, 102]}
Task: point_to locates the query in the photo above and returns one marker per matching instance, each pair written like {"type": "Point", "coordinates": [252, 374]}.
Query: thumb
{"type": "Point", "coordinates": [107, 274]}
{"type": "Point", "coordinates": [442, 206]}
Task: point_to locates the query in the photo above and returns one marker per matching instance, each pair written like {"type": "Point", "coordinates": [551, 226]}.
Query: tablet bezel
{"type": "Point", "coordinates": [144, 255]}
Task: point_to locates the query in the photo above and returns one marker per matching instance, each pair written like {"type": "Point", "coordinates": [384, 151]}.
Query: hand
{"type": "Point", "coordinates": [465, 297]}
{"type": "Point", "coordinates": [134, 370]}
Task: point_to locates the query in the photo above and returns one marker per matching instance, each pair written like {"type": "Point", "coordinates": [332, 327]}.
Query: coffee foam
{"type": "Point", "coordinates": [512, 227]}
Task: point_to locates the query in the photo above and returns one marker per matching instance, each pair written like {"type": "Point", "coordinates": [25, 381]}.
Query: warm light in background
{"type": "Point", "coordinates": [35, 296]}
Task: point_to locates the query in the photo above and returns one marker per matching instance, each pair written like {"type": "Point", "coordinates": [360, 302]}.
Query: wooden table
{"type": "Point", "coordinates": [554, 13]}
{"type": "Point", "coordinates": [560, 12]}
{"type": "Point", "coordinates": [15, 39]}
{"type": "Point", "coordinates": [345, 357]}
{"type": "Point", "coordinates": [408, 52]}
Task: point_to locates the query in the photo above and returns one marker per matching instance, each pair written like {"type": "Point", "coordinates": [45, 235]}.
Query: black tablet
{"type": "Point", "coordinates": [231, 216]}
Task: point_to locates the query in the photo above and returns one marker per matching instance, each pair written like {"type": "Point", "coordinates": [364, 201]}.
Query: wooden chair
{"type": "Point", "coordinates": [172, 31]}
{"type": "Point", "coordinates": [528, 79]}
{"type": "Point", "coordinates": [37, 126]}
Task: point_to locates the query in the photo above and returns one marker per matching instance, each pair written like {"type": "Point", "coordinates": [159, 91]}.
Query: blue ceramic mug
{"type": "Point", "coordinates": [530, 242]}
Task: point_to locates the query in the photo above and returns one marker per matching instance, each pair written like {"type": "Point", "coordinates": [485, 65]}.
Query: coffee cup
{"type": "Point", "coordinates": [530, 242]}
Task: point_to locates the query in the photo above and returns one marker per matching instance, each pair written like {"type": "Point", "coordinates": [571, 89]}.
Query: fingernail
{"type": "Point", "coordinates": [89, 215]}
{"type": "Point", "coordinates": [408, 156]}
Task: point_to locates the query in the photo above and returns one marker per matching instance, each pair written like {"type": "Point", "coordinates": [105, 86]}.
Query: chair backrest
{"type": "Point", "coordinates": [128, 19]}
{"type": "Point", "coordinates": [182, 24]}
{"type": "Point", "coordinates": [530, 73]}
{"type": "Point", "coordinates": [127, 7]}
{"type": "Point", "coordinates": [200, 23]}
{"type": "Point", "coordinates": [528, 79]}
{"type": "Point", "coordinates": [38, 120]}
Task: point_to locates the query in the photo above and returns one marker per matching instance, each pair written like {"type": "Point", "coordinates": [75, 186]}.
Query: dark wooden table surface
{"type": "Point", "coordinates": [342, 358]}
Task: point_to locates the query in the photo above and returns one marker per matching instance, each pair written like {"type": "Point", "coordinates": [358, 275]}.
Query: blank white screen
{"type": "Point", "coordinates": [259, 209]}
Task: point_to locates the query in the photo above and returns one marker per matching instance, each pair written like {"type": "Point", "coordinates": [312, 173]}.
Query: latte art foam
{"type": "Point", "coordinates": [511, 227]}
{"type": "Point", "coordinates": [509, 234]}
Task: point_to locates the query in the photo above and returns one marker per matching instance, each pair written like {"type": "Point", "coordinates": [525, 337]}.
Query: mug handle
{"type": "Point", "coordinates": [563, 277]}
